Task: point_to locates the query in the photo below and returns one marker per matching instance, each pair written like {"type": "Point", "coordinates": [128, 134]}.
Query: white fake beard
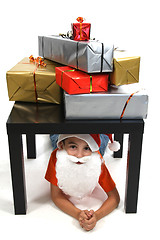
{"type": "Point", "coordinates": [77, 180]}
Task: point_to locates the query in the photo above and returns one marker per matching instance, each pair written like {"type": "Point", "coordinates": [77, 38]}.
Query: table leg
{"type": "Point", "coordinates": [133, 172]}
{"type": "Point", "coordinates": [31, 146]}
{"type": "Point", "coordinates": [17, 172]}
{"type": "Point", "coordinates": [118, 137]}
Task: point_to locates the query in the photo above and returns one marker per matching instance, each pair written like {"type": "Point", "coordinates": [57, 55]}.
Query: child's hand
{"type": "Point", "coordinates": [87, 219]}
{"type": "Point", "coordinates": [83, 216]}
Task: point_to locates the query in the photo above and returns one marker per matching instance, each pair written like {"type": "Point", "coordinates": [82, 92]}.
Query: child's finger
{"type": "Point", "coordinates": [91, 221]}
{"type": "Point", "coordinates": [88, 227]}
{"type": "Point", "coordinates": [91, 212]}
{"type": "Point", "coordinates": [83, 215]}
{"type": "Point", "coordinates": [87, 214]}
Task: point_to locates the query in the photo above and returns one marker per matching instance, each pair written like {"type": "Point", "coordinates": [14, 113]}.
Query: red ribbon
{"type": "Point", "coordinates": [35, 87]}
{"type": "Point", "coordinates": [127, 104]}
{"type": "Point", "coordinates": [39, 62]}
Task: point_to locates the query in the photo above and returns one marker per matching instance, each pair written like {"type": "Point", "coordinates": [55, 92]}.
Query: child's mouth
{"type": "Point", "coordinates": [79, 163]}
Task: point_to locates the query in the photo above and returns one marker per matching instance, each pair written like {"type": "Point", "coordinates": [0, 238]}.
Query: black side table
{"type": "Point", "coordinates": [32, 118]}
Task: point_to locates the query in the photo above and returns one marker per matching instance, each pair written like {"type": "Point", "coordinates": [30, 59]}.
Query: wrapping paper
{"type": "Point", "coordinates": [88, 56]}
{"type": "Point", "coordinates": [126, 69]}
{"type": "Point", "coordinates": [108, 105]}
{"type": "Point", "coordinates": [75, 82]}
{"type": "Point", "coordinates": [81, 31]}
{"type": "Point", "coordinates": [31, 83]}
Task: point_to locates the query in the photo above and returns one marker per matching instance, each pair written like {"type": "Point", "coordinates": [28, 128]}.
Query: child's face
{"type": "Point", "coordinates": [76, 147]}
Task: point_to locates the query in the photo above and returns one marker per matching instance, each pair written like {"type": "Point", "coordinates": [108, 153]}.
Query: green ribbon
{"type": "Point", "coordinates": [91, 89]}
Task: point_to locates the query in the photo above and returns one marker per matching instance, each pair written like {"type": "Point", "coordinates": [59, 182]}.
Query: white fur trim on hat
{"type": "Point", "coordinates": [85, 137]}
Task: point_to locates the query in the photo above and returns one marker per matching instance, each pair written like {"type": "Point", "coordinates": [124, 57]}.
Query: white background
{"type": "Point", "coordinates": [133, 25]}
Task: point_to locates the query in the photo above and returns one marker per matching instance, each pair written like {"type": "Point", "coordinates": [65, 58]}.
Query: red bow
{"type": "Point", "coordinates": [37, 61]}
{"type": "Point", "coordinates": [80, 19]}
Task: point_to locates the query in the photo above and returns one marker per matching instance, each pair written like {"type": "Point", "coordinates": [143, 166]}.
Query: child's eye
{"type": "Point", "coordinates": [87, 149]}
{"type": "Point", "coordinates": [72, 146]}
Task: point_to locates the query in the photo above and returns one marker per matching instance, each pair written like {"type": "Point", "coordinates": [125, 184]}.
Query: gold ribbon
{"type": "Point", "coordinates": [80, 20]}
{"type": "Point", "coordinates": [80, 31]}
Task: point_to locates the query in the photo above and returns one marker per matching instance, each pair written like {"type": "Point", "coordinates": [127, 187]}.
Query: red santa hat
{"type": "Point", "coordinates": [93, 141]}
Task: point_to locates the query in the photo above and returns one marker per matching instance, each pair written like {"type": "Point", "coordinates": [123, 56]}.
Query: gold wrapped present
{"type": "Point", "coordinates": [30, 82]}
{"type": "Point", "coordinates": [125, 70]}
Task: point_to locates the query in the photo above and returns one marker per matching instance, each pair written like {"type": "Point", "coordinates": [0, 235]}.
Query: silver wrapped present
{"type": "Point", "coordinates": [108, 105]}
{"type": "Point", "coordinates": [89, 56]}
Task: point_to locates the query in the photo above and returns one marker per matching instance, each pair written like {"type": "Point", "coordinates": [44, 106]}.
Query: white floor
{"type": "Point", "coordinates": [138, 29]}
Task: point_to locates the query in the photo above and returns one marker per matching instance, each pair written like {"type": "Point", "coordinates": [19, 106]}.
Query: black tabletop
{"type": "Point", "coordinates": [26, 115]}
{"type": "Point", "coordinates": [26, 112]}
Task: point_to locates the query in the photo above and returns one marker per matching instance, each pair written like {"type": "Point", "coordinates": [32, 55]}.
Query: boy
{"type": "Point", "coordinates": [103, 137]}
{"type": "Point", "coordinates": [75, 169]}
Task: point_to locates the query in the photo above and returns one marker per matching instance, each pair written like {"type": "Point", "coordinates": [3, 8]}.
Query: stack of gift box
{"type": "Point", "coordinates": [88, 75]}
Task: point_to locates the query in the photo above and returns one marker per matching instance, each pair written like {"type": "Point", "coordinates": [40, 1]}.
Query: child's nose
{"type": "Point", "coordinates": [79, 154]}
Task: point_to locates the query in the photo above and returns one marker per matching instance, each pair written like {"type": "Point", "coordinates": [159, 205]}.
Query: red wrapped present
{"type": "Point", "coordinates": [81, 31]}
{"type": "Point", "coordinates": [74, 81]}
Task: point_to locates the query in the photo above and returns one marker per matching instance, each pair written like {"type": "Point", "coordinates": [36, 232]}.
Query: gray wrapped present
{"type": "Point", "coordinates": [124, 102]}
{"type": "Point", "coordinates": [89, 56]}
